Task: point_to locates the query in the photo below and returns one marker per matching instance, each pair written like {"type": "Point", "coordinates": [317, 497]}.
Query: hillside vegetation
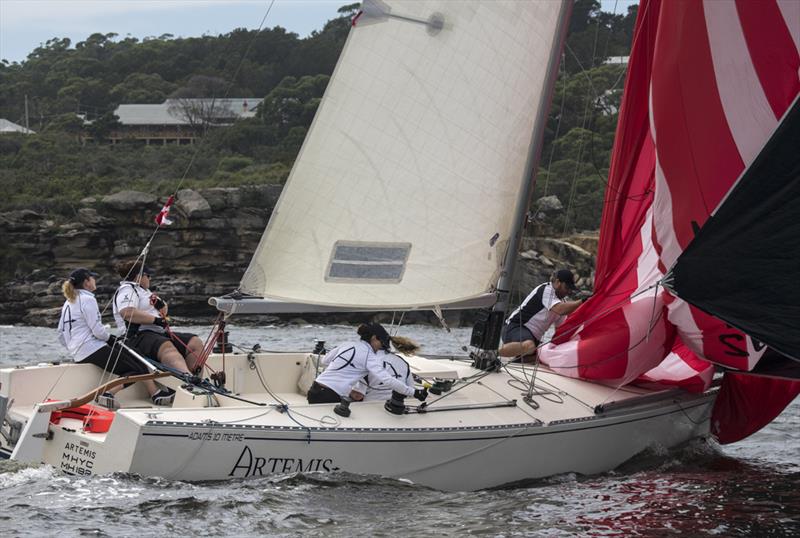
{"type": "Point", "coordinates": [51, 170]}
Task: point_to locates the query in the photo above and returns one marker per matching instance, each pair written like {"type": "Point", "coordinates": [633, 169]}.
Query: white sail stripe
{"type": "Point", "coordinates": [679, 313]}
{"type": "Point", "coordinates": [748, 112]}
{"type": "Point", "coordinates": [672, 368]}
{"type": "Point", "coordinates": [790, 9]}
{"type": "Point", "coordinates": [645, 343]}
{"type": "Point", "coordinates": [647, 271]}
{"type": "Point", "coordinates": [563, 357]}
{"type": "Point", "coordinates": [661, 207]}
{"type": "Point", "coordinates": [663, 222]}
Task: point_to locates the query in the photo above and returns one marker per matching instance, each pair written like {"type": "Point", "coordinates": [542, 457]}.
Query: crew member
{"type": "Point", "coordinates": [81, 331]}
{"type": "Point", "coordinates": [350, 362]}
{"type": "Point", "coordinates": [542, 308]}
{"type": "Point", "coordinates": [141, 315]}
{"type": "Point", "coordinates": [372, 389]}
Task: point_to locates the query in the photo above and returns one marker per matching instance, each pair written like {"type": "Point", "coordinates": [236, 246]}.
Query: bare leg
{"type": "Point", "coordinates": [151, 387]}
{"type": "Point", "coordinates": [169, 356]}
{"type": "Point", "coordinates": [516, 349]}
{"type": "Point", "coordinates": [195, 346]}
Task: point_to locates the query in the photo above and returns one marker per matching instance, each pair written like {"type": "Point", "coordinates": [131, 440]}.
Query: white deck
{"type": "Point", "coordinates": [215, 430]}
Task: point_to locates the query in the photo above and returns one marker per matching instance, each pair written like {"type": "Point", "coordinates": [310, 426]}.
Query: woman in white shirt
{"type": "Point", "coordinates": [81, 331]}
{"type": "Point", "coordinates": [372, 389]}
{"type": "Point", "coordinates": [348, 363]}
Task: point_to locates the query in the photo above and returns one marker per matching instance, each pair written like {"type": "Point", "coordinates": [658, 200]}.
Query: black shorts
{"type": "Point", "coordinates": [117, 361]}
{"type": "Point", "coordinates": [148, 343]}
{"type": "Point", "coordinates": [518, 333]}
{"type": "Point", "coordinates": [321, 394]}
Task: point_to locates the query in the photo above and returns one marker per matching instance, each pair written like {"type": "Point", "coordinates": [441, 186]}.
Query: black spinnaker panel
{"type": "Point", "coordinates": [743, 267]}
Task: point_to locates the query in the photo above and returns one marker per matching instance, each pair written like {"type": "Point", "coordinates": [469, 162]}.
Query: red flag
{"type": "Point", "coordinates": [162, 219]}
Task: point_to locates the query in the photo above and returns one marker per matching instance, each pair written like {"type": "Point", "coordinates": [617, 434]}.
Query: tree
{"type": "Point", "coordinates": [100, 128]}
{"type": "Point", "coordinates": [142, 88]}
{"type": "Point", "coordinates": [200, 102]}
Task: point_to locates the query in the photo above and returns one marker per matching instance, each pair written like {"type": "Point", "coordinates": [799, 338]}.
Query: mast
{"type": "Point", "coordinates": [487, 330]}
{"type": "Point", "coordinates": [529, 178]}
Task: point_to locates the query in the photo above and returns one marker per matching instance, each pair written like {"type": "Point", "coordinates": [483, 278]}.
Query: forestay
{"type": "Point", "coordinates": [404, 191]}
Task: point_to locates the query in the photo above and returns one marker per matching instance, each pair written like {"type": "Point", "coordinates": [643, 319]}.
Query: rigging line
{"type": "Point", "coordinates": [608, 37]}
{"type": "Point", "coordinates": [556, 391]}
{"type": "Point", "coordinates": [545, 393]}
{"type": "Point", "coordinates": [227, 90]}
{"type": "Point", "coordinates": [288, 411]}
{"type": "Point", "coordinates": [651, 326]}
{"type": "Point", "coordinates": [583, 126]}
{"type": "Point", "coordinates": [467, 382]}
{"type": "Point", "coordinates": [266, 387]}
{"type": "Point", "coordinates": [325, 420]}
{"type": "Point", "coordinates": [607, 359]}
{"type": "Point", "coordinates": [529, 396]}
{"type": "Point", "coordinates": [612, 357]}
{"type": "Point", "coordinates": [600, 314]}
{"type": "Point", "coordinates": [560, 117]}
{"type": "Point", "coordinates": [245, 419]}
{"type": "Point", "coordinates": [635, 197]}
{"type": "Point", "coordinates": [203, 139]}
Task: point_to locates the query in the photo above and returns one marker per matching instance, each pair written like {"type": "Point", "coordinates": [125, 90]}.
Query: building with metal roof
{"type": "Point", "coordinates": [11, 127]}
{"type": "Point", "coordinates": [180, 121]}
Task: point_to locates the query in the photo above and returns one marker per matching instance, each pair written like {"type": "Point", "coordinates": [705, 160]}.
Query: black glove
{"type": "Point", "coordinates": [157, 302]}
{"type": "Point", "coordinates": [420, 394]}
{"type": "Point", "coordinates": [161, 322]}
{"type": "Point", "coordinates": [112, 339]}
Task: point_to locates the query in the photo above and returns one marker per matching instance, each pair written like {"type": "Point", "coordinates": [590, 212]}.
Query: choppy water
{"type": "Point", "coordinates": [750, 488]}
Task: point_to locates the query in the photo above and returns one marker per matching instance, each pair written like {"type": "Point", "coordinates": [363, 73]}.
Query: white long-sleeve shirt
{"type": "Point", "coordinates": [131, 294]}
{"type": "Point", "coordinates": [348, 363]}
{"type": "Point", "coordinates": [79, 328]}
{"type": "Point", "coordinates": [373, 389]}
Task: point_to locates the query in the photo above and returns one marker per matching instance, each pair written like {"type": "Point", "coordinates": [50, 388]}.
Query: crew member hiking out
{"type": "Point", "coordinates": [141, 315]}
{"type": "Point", "coordinates": [541, 309]}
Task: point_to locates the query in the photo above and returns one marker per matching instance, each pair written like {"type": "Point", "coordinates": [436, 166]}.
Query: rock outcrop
{"type": "Point", "coordinates": [203, 253]}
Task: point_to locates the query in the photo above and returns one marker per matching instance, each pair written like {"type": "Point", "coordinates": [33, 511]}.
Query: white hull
{"type": "Point", "coordinates": [461, 449]}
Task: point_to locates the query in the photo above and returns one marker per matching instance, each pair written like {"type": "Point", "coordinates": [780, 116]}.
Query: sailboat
{"type": "Point", "coordinates": [410, 192]}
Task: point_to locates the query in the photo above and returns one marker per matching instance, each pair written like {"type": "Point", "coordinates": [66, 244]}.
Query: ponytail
{"type": "Point", "coordinates": [69, 291]}
{"type": "Point", "coordinates": [365, 332]}
{"type": "Point", "coordinates": [404, 345]}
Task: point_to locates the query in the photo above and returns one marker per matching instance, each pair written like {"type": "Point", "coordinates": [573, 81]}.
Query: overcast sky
{"type": "Point", "coordinates": [25, 24]}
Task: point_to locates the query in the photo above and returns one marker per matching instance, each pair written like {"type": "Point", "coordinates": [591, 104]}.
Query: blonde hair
{"type": "Point", "coordinates": [69, 291]}
{"type": "Point", "coordinates": [404, 345]}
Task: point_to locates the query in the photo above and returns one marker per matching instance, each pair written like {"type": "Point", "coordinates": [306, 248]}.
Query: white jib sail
{"type": "Point", "coordinates": [403, 192]}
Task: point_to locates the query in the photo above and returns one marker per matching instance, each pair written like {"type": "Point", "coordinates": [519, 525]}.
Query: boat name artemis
{"type": "Point", "coordinates": [77, 460]}
{"type": "Point", "coordinates": [249, 465]}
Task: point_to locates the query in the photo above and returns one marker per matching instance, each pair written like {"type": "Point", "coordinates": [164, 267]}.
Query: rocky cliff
{"type": "Point", "coordinates": [203, 253]}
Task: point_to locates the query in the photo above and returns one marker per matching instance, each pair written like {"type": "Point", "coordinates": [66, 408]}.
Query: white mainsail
{"type": "Point", "coordinates": [404, 191]}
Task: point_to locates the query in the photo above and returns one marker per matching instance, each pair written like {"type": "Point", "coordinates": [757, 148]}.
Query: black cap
{"type": "Point", "coordinates": [378, 330]}
{"type": "Point", "coordinates": [79, 275]}
{"type": "Point", "coordinates": [566, 276]}
{"type": "Point", "coordinates": [149, 271]}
